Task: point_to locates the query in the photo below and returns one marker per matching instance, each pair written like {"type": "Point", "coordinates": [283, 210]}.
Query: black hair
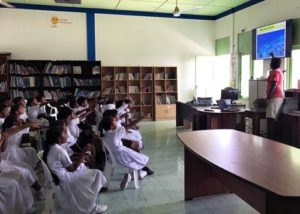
{"type": "Point", "coordinates": [63, 113]}
{"type": "Point", "coordinates": [275, 63]}
{"type": "Point", "coordinates": [107, 122]}
{"type": "Point", "coordinates": [2, 107]}
{"type": "Point", "coordinates": [9, 122]}
{"type": "Point", "coordinates": [30, 100]}
{"type": "Point", "coordinates": [17, 100]}
{"type": "Point", "coordinates": [81, 100]}
{"type": "Point", "coordinates": [52, 136]}
{"type": "Point", "coordinates": [14, 109]}
{"type": "Point", "coordinates": [39, 97]}
{"type": "Point", "coordinates": [73, 102]}
{"type": "Point", "coordinates": [110, 101]}
{"type": "Point", "coordinates": [127, 101]}
{"type": "Point", "coordinates": [119, 103]}
{"type": "Point", "coordinates": [3, 99]}
{"type": "Point", "coordinates": [111, 113]}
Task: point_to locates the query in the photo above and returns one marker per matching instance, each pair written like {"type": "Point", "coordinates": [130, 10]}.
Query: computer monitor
{"type": "Point", "coordinates": [230, 94]}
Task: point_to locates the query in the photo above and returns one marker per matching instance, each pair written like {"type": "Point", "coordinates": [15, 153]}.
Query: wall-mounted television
{"type": "Point", "coordinates": [275, 39]}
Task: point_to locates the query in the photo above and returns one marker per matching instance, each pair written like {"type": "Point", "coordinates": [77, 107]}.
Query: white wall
{"type": "Point", "coordinates": [29, 34]}
{"type": "Point", "coordinates": [148, 41]}
{"type": "Point", "coordinates": [264, 13]}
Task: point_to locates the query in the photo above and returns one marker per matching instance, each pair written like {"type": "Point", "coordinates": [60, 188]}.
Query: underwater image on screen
{"type": "Point", "coordinates": [270, 42]}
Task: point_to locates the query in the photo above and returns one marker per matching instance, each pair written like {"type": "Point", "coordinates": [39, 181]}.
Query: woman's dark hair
{"type": "Point", "coordinates": [14, 109]}
{"type": "Point", "coordinates": [81, 100]}
{"type": "Point", "coordinates": [17, 100]}
{"type": "Point", "coordinates": [119, 103]}
{"type": "Point", "coordinates": [2, 107]}
{"type": "Point", "coordinates": [111, 112]}
{"type": "Point", "coordinates": [9, 122]}
{"type": "Point", "coordinates": [30, 100]}
{"type": "Point", "coordinates": [73, 102]}
{"type": "Point", "coordinates": [275, 63]}
{"type": "Point", "coordinates": [63, 113]}
{"type": "Point", "coordinates": [39, 97]}
{"type": "Point", "coordinates": [107, 122]}
{"type": "Point", "coordinates": [54, 132]}
{"type": "Point", "coordinates": [110, 101]}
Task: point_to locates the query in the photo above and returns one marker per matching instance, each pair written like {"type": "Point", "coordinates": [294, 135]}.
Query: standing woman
{"type": "Point", "coordinates": [274, 95]}
{"type": "Point", "coordinates": [79, 186]}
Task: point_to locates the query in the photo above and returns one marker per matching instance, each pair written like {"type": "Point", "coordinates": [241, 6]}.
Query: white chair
{"type": "Point", "coordinates": [111, 164]}
{"type": "Point", "coordinates": [49, 186]}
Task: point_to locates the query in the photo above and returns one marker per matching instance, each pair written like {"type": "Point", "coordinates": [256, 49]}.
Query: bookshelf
{"type": "Point", "coordinates": [152, 89]}
{"type": "Point", "coordinates": [165, 85]}
{"type": "Point", "coordinates": [135, 83]}
{"type": "Point", "coordinates": [4, 57]}
{"type": "Point", "coordinates": [54, 79]}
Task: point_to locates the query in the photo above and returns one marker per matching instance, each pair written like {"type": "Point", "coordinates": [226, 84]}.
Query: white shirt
{"type": "Point", "coordinates": [33, 112]}
{"type": "Point", "coordinates": [114, 138]}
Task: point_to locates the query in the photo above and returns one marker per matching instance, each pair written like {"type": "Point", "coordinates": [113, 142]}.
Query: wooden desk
{"type": "Point", "coordinates": [217, 119]}
{"type": "Point", "coordinates": [264, 173]}
{"type": "Point", "coordinates": [256, 115]}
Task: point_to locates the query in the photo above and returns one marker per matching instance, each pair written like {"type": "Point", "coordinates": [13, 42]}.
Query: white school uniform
{"type": "Point", "coordinates": [78, 189]}
{"type": "Point", "coordinates": [125, 156]}
{"type": "Point", "coordinates": [1, 122]}
{"type": "Point", "coordinates": [107, 107]}
{"type": "Point", "coordinates": [33, 112]}
{"type": "Point", "coordinates": [14, 152]}
{"type": "Point", "coordinates": [15, 194]}
{"type": "Point", "coordinates": [13, 166]}
{"type": "Point", "coordinates": [73, 128]}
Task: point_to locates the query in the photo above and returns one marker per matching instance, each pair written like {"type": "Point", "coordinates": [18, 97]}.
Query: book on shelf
{"type": "Point", "coordinates": [134, 76]}
{"type": "Point", "coordinates": [57, 69]}
{"type": "Point", "coordinates": [26, 93]}
{"type": "Point", "coordinates": [120, 90]}
{"type": "Point", "coordinates": [3, 86]}
{"type": "Point", "coordinates": [77, 69]}
{"type": "Point", "coordinates": [3, 69]}
{"type": "Point", "coordinates": [170, 75]}
{"type": "Point", "coordinates": [86, 93]}
{"type": "Point", "coordinates": [107, 77]}
{"type": "Point", "coordinates": [148, 76]}
{"type": "Point", "coordinates": [55, 95]}
{"type": "Point", "coordinates": [159, 76]}
{"type": "Point", "coordinates": [96, 69]}
{"type": "Point", "coordinates": [87, 82]}
{"type": "Point", "coordinates": [165, 99]}
{"type": "Point", "coordinates": [15, 68]}
{"type": "Point", "coordinates": [24, 82]}
{"type": "Point", "coordinates": [120, 76]}
{"type": "Point", "coordinates": [146, 89]}
{"type": "Point", "coordinates": [133, 89]}
{"type": "Point", "coordinates": [171, 88]}
{"type": "Point", "coordinates": [158, 88]}
{"type": "Point", "coordinates": [55, 81]}
{"type": "Point", "coordinates": [108, 90]}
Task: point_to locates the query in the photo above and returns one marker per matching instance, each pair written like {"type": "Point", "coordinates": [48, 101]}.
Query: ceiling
{"type": "Point", "coordinates": [187, 7]}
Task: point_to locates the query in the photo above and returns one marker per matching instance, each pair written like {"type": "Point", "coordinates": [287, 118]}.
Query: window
{"type": "Point", "coordinates": [295, 76]}
{"type": "Point", "coordinates": [245, 75]}
{"type": "Point", "coordinates": [212, 75]}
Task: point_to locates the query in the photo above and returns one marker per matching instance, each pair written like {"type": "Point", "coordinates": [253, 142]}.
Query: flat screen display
{"type": "Point", "coordinates": [275, 39]}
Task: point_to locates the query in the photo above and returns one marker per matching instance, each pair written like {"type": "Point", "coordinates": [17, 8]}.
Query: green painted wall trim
{"type": "Point", "coordinates": [222, 46]}
{"type": "Point", "coordinates": [245, 42]}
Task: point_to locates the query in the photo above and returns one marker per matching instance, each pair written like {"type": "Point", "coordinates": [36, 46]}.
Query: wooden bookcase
{"type": "Point", "coordinates": [4, 83]}
{"type": "Point", "coordinates": [165, 85]}
{"type": "Point", "coordinates": [54, 79]}
{"type": "Point", "coordinates": [139, 84]}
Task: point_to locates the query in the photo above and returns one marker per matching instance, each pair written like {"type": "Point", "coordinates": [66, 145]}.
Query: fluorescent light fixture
{"type": "Point", "coordinates": [176, 12]}
{"type": "Point", "coordinates": [5, 4]}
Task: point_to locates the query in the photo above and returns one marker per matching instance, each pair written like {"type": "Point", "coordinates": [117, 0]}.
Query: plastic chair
{"type": "Point", "coordinates": [111, 164]}
{"type": "Point", "coordinates": [49, 186]}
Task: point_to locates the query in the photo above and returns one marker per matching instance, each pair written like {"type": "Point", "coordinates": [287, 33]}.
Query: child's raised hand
{"type": "Point", "coordinates": [33, 125]}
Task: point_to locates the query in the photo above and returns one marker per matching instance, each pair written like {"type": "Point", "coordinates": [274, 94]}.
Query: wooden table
{"type": "Point", "coordinates": [265, 173]}
{"type": "Point", "coordinates": [256, 115]}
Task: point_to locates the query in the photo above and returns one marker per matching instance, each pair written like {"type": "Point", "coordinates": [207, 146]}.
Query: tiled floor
{"type": "Point", "coordinates": [163, 191]}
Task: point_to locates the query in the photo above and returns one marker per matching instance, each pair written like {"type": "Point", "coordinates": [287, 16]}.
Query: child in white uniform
{"type": "Point", "coordinates": [125, 156]}
{"type": "Point", "coordinates": [79, 186]}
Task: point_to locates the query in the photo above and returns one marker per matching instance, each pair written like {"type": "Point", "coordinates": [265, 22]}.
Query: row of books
{"type": "Point", "coordinates": [3, 86]}
{"type": "Point", "coordinates": [86, 93]}
{"type": "Point", "coordinates": [57, 69]}
{"type": "Point", "coordinates": [55, 95]}
{"type": "Point", "coordinates": [148, 76]}
{"type": "Point", "coordinates": [15, 68]}
{"type": "Point", "coordinates": [167, 75]}
{"type": "Point", "coordinates": [134, 76]}
{"type": "Point", "coordinates": [120, 76]}
{"type": "Point", "coordinates": [165, 99]}
{"type": "Point", "coordinates": [146, 102]}
{"type": "Point", "coordinates": [108, 90]}
{"type": "Point", "coordinates": [133, 89]}
{"type": "Point", "coordinates": [171, 88]}
{"type": "Point", "coordinates": [160, 76]}
{"type": "Point", "coordinates": [26, 93]}
{"type": "Point", "coordinates": [3, 69]}
{"type": "Point", "coordinates": [87, 82]}
{"type": "Point", "coordinates": [24, 82]}
{"type": "Point", "coordinates": [158, 88]}
{"type": "Point", "coordinates": [120, 90]}
{"type": "Point", "coordinates": [146, 89]}
{"type": "Point", "coordinates": [55, 81]}
{"type": "Point", "coordinates": [170, 75]}
{"type": "Point", "coordinates": [107, 77]}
